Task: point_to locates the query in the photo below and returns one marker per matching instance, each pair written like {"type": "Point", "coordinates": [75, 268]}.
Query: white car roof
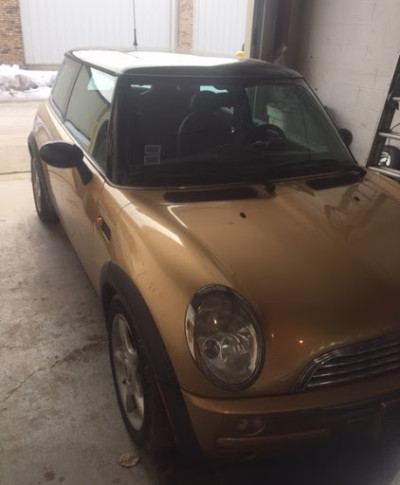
{"type": "Point", "coordinates": [119, 61]}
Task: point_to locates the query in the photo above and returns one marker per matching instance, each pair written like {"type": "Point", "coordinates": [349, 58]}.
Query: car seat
{"type": "Point", "coordinates": [203, 128]}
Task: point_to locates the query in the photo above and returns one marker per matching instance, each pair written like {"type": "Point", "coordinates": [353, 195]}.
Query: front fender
{"type": "Point", "coordinates": [114, 280]}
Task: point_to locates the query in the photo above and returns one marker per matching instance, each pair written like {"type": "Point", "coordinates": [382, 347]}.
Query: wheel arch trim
{"type": "Point", "coordinates": [115, 281]}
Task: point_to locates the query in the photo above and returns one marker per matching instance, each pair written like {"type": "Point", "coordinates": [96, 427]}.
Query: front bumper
{"type": "Point", "coordinates": [242, 428]}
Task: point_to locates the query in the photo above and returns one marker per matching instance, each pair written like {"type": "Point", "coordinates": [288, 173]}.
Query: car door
{"type": "Point", "coordinates": [86, 122]}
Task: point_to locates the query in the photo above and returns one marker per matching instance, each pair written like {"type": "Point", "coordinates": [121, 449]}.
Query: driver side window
{"type": "Point", "coordinates": [88, 112]}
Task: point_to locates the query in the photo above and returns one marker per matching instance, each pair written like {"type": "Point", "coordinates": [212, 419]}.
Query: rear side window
{"type": "Point", "coordinates": [88, 112]}
{"type": "Point", "coordinates": [63, 85]}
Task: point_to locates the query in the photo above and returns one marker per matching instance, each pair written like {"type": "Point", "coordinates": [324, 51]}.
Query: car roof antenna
{"type": "Point", "coordinates": [134, 25]}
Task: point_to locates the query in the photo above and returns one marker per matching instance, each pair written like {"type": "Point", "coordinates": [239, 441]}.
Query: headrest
{"type": "Point", "coordinates": [204, 102]}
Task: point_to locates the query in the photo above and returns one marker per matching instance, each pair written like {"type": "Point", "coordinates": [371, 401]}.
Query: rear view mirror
{"type": "Point", "coordinates": [61, 154]}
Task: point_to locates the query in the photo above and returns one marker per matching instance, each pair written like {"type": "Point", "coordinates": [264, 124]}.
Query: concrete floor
{"type": "Point", "coordinates": [16, 121]}
{"type": "Point", "coordinates": [59, 420]}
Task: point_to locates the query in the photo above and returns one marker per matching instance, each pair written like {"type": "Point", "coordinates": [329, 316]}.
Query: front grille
{"type": "Point", "coordinates": [360, 361]}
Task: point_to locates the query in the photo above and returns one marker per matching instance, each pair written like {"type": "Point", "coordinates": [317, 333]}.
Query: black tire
{"type": "Point", "coordinates": [138, 396]}
{"type": "Point", "coordinates": [390, 157]}
{"type": "Point", "coordinates": [44, 208]}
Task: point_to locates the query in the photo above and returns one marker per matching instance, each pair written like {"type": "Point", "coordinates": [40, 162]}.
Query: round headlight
{"type": "Point", "coordinates": [224, 337]}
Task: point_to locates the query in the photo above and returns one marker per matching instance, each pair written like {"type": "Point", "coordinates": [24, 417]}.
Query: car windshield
{"type": "Point", "coordinates": [188, 131]}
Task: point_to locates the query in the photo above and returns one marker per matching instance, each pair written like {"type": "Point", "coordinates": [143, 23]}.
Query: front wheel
{"type": "Point", "coordinates": [44, 207]}
{"type": "Point", "coordinates": [137, 393]}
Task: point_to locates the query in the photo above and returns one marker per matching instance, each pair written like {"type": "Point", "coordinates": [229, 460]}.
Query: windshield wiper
{"type": "Point", "coordinates": [328, 165]}
{"type": "Point", "coordinates": [213, 169]}
{"type": "Point", "coordinates": [205, 172]}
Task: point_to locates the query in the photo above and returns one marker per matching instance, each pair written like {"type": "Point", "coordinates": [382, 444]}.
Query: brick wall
{"type": "Point", "coordinates": [11, 43]}
{"type": "Point", "coordinates": [349, 49]}
{"type": "Point", "coordinates": [185, 25]}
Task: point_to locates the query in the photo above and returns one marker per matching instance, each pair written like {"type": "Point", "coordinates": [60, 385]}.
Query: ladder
{"type": "Point", "coordinates": [384, 131]}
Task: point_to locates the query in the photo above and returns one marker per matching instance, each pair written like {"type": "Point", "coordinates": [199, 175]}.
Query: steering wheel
{"type": "Point", "coordinates": [268, 136]}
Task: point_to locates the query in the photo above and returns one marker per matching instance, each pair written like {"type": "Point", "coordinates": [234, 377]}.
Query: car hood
{"type": "Point", "coordinates": [321, 268]}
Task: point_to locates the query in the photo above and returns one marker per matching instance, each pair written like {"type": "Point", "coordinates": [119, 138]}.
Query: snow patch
{"type": "Point", "coordinates": [16, 83]}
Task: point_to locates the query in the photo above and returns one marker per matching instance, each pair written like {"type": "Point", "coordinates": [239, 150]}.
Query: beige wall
{"type": "Point", "coordinates": [11, 44]}
{"type": "Point", "coordinates": [348, 52]}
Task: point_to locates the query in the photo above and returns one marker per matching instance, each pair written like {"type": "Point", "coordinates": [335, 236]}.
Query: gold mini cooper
{"type": "Point", "coordinates": [248, 267]}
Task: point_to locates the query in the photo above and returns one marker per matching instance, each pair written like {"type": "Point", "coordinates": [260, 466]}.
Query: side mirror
{"type": "Point", "coordinates": [61, 154]}
{"type": "Point", "coordinates": [346, 135]}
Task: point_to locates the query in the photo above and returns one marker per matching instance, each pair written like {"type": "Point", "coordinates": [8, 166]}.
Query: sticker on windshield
{"type": "Point", "coordinates": [152, 154]}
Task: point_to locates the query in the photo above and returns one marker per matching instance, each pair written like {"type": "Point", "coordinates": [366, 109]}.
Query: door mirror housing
{"type": "Point", "coordinates": [61, 154]}
{"type": "Point", "coordinates": [346, 135]}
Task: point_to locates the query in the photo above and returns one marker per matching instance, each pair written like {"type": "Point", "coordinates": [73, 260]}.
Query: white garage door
{"type": "Point", "coordinates": [219, 26]}
{"type": "Point", "coordinates": [51, 27]}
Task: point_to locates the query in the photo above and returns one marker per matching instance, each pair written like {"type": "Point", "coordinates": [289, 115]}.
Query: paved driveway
{"type": "Point", "coordinates": [16, 121]}
{"type": "Point", "coordinates": [59, 421]}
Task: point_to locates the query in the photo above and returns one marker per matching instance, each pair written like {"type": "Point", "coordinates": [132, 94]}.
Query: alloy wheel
{"type": "Point", "coordinates": [127, 371]}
